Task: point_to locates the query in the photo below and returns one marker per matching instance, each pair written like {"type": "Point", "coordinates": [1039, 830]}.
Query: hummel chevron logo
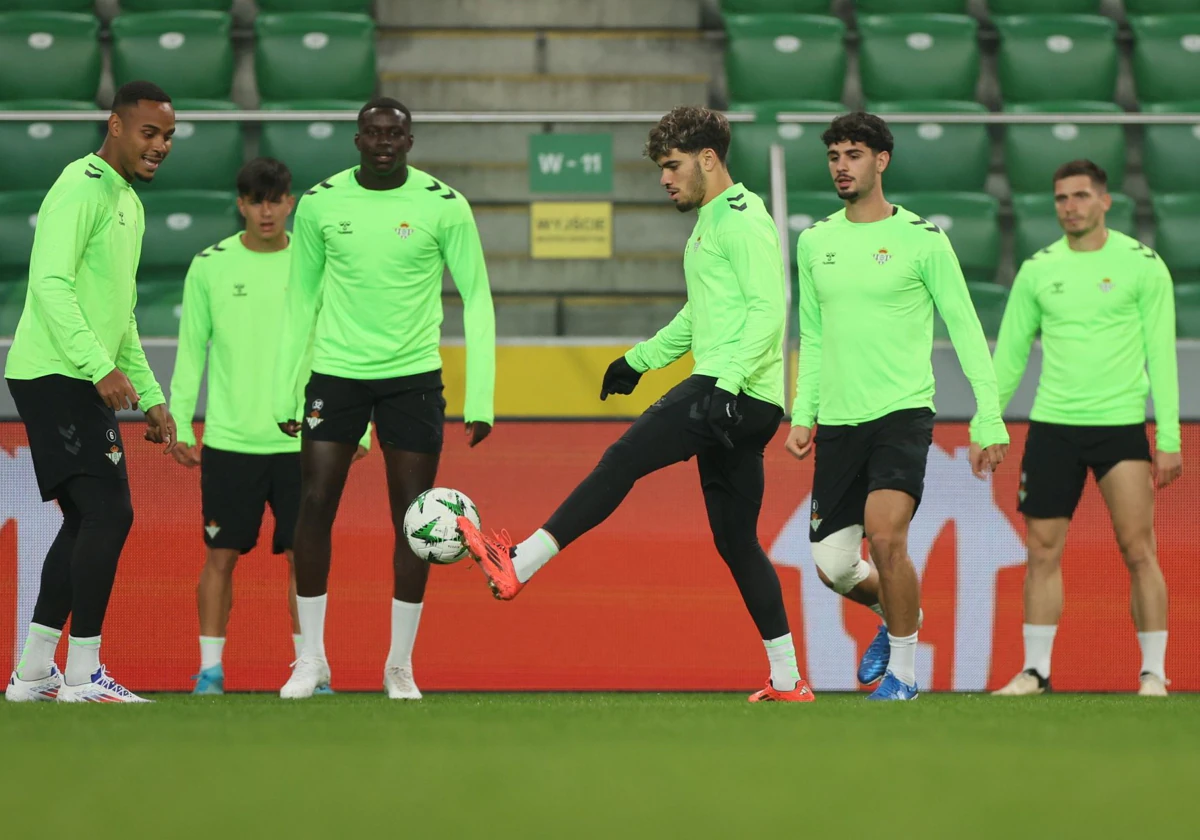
{"type": "Point", "coordinates": [733, 205]}
{"type": "Point", "coordinates": [438, 187]}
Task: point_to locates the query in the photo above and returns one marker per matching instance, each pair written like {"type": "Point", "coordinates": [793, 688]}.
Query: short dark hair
{"type": "Point", "coordinates": [264, 179]}
{"type": "Point", "coordinates": [860, 127]}
{"type": "Point", "coordinates": [1083, 167]}
{"type": "Point", "coordinates": [131, 93]}
{"type": "Point", "coordinates": [387, 103]}
{"type": "Point", "coordinates": [691, 129]}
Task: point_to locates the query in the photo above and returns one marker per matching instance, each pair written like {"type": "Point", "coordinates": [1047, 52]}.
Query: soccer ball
{"type": "Point", "coordinates": [431, 525]}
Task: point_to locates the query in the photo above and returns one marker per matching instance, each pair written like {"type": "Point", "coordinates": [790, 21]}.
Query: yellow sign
{"type": "Point", "coordinates": [570, 230]}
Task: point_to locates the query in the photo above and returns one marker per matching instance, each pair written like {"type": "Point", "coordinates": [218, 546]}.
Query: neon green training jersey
{"type": "Point", "coordinates": [867, 292]}
{"type": "Point", "coordinates": [734, 318]}
{"type": "Point", "coordinates": [78, 318]}
{"type": "Point", "coordinates": [367, 268]}
{"type": "Point", "coordinates": [1105, 316]}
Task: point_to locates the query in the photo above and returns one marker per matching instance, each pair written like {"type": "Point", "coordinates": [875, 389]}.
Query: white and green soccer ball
{"type": "Point", "coordinates": [431, 525]}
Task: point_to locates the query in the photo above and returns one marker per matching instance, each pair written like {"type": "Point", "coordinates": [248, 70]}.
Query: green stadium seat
{"type": "Point", "coordinates": [315, 56]}
{"type": "Point", "coordinates": [358, 7]}
{"type": "Point", "coordinates": [1044, 7]}
{"type": "Point", "coordinates": [1159, 7]}
{"type": "Point", "coordinates": [804, 156]}
{"type": "Point", "coordinates": [312, 150]}
{"type": "Point", "coordinates": [33, 154]}
{"type": "Point", "coordinates": [18, 216]}
{"type": "Point", "coordinates": [87, 6]}
{"type": "Point", "coordinates": [1171, 153]}
{"type": "Point", "coordinates": [176, 5]}
{"type": "Point", "coordinates": [189, 51]}
{"type": "Point", "coordinates": [179, 225]}
{"type": "Point", "coordinates": [49, 55]}
{"type": "Point", "coordinates": [205, 155]}
{"type": "Point", "coordinates": [1166, 57]}
{"type": "Point", "coordinates": [918, 56]}
{"type": "Point", "coordinates": [1176, 223]}
{"type": "Point", "coordinates": [772, 57]}
{"type": "Point", "coordinates": [1033, 152]}
{"type": "Point", "coordinates": [897, 7]}
{"type": "Point", "coordinates": [989, 299]}
{"type": "Point", "coordinates": [1035, 223]}
{"type": "Point", "coordinates": [159, 304]}
{"type": "Point", "coordinates": [12, 303]}
{"type": "Point", "coordinates": [937, 157]}
{"type": "Point", "coordinates": [1187, 310]}
{"type": "Point", "coordinates": [1057, 57]}
{"type": "Point", "coordinates": [971, 220]}
{"type": "Point", "coordinates": [773, 7]}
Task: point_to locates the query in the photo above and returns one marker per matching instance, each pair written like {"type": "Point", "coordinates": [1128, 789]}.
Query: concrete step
{"type": "Point", "coordinates": [620, 317]}
{"type": "Point", "coordinates": [468, 143]}
{"type": "Point", "coordinates": [564, 14]}
{"type": "Point", "coordinates": [514, 318]}
{"type": "Point", "coordinates": [457, 50]}
{"type": "Point", "coordinates": [543, 91]}
{"type": "Point", "coordinates": [509, 182]}
{"type": "Point", "coordinates": [638, 229]}
{"type": "Point", "coordinates": [517, 274]}
{"type": "Point", "coordinates": [652, 51]}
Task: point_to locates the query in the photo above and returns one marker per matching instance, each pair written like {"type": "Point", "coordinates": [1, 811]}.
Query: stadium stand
{"type": "Point", "coordinates": [190, 49]}
{"type": "Point", "coordinates": [1033, 152]}
{"type": "Point", "coordinates": [918, 56]}
{"type": "Point", "coordinates": [204, 153]}
{"type": "Point", "coordinates": [313, 150]}
{"type": "Point", "coordinates": [1057, 57]}
{"type": "Point", "coordinates": [937, 157]}
{"type": "Point", "coordinates": [179, 225]}
{"type": "Point", "coordinates": [1177, 224]}
{"type": "Point", "coordinates": [1159, 7]}
{"type": "Point", "coordinates": [175, 5]}
{"type": "Point", "coordinates": [358, 7]}
{"type": "Point", "coordinates": [33, 153]}
{"type": "Point", "coordinates": [18, 215]}
{"type": "Point", "coordinates": [761, 7]}
{"type": "Point", "coordinates": [1171, 153]}
{"type": "Point", "coordinates": [949, 7]}
{"type": "Point", "coordinates": [1187, 310]}
{"type": "Point", "coordinates": [1043, 7]}
{"type": "Point", "coordinates": [49, 55]}
{"type": "Point", "coordinates": [749, 150]}
{"type": "Point", "coordinates": [971, 220]}
{"type": "Point", "coordinates": [315, 56]}
{"type": "Point", "coordinates": [772, 57]}
{"type": "Point", "coordinates": [1166, 57]}
{"type": "Point", "coordinates": [49, 5]}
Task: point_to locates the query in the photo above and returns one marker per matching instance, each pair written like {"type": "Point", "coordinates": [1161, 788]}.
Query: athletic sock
{"type": "Point", "coordinates": [878, 610]}
{"type": "Point", "coordinates": [298, 644]}
{"type": "Point", "coordinates": [782, 655]}
{"type": "Point", "coordinates": [534, 553]}
{"type": "Point", "coordinates": [1039, 642]}
{"type": "Point", "coordinates": [406, 617]}
{"type": "Point", "coordinates": [211, 648]}
{"type": "Point", "coordinates": [312, 626]}
{"type": "Point", "coordinates": [83, 659]}
{"type": "Point", "coordinates": [37, 657]}
{"type": "Point", "coordinates": [903, 661]}
{"type": "Point", "coordinates": [1154, 653]}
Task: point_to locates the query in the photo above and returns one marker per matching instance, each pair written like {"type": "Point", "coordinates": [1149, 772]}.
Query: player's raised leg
{"type": "Point", "coordinates": [214, 602]}
{"type": "Point", "coordinates": [886, 519]}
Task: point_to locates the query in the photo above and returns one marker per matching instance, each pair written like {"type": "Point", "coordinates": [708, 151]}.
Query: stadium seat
{"type": "Point", "coordinates": [50, 6]}
{"type": "Point", "coordinates": [1159, 7]}
{"type": "Point", "coordinates": [896, 7]}
{"type": "Point", "coordinates": [18, 215]}
{"type": "Point", "coordinates": [312, 150]}
{"type": "Point", "coordinates": [205, 155]}
{"type": "Point", "coordinates": [1035, 224]}
{"type": "Point", "coordinates": [179, 225]}
{"type": "Point", "coordinates": [1044, 7]}
{"type": "Point", "coordinates": [33, 154]}
{"type": "Point", "coordinates": [770, 7]}
{"type": "Point", "coordinates": [1166, 57]}
{"type": "Point", "coordinates": [315, 56]}
{"type": "Point", "coordinates": [175, 5]}
{"type": "Point", "coordinates": [937, 157]}
{"type": "Point", "coordinates": [918, 56]}
{"type": "Point", "coordinates": [190, 51]}
{"type": "Point", "coordinates": [1187, 310]}
{"type": "Point", "coordinates": [990, 300]}
{"type": "Point", "coordinates": [804, 156]}
{"type": "Point", "coordinates": [1033, 152]}
{"type": "Point", "coordinates": [359, 7]}
{"type": "Point", "coordinates": [49, 55]}
{"type": "Point", "coordinates": [1057, 57]}
{"type": "Point", "coordinates": [159, 304]}
{"type": "Point", "coordinates": [971, 220]}
{"type": "Point", "coordinates": [12, 303]}
{"type": "Point", "coordinates": [1176, 223]}
{"type": "Point", "coordinates": [1171, 153]}
{"type": "Point", "coordinates": [772, 57]}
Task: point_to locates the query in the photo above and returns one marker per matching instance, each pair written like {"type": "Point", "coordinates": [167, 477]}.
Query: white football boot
{"type": "Point", "coordinates": [308, 674]}
{"type": "Point", "coordinates": [1152, 685]}
{"type": "Point", "coordinates": [34, 691]}
{"type": "Point", "coordinates": [1025, 684]}
{"type": "Point", "coordinates": [100, 689]}
{"type": "Point", "coordinates": [399, 683]}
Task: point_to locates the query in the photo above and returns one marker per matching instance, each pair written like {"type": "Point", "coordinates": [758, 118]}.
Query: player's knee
{"type": "Point", "coordinates": [888, 545]}
{"type": "Point", "coordinates": [839, 560]}
{"type": "Point", "coordinates": [1139, 552]}
{"type": "Point", "coordinates": [104, 505]}
{"type": "Point", "coordinates": [222, 562]}
{"type": "Point", "coordinates": [318, 505]}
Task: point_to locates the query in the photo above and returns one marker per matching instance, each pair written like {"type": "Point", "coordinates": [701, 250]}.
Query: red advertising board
{"type": "Point", "coordinates": [642, 602]}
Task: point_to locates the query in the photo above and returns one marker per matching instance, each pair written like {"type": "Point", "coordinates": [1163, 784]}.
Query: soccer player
{"type": "Point", "coordinates": [870, 276]}
{"type": "Point", "coordinates": [724, 414]}
{"type": "Point", "coordinates": [1106, 309]}
{"type": "Point", "coordinates": [369, 250]}
{"type": "Point", "coordinates": [232, 298]}
{"type": "Point", "coordinates": [76, 360]}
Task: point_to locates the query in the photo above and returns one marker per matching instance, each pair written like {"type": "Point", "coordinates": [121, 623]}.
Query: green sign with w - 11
{"type": "Point", "coordinates": [570, 163]}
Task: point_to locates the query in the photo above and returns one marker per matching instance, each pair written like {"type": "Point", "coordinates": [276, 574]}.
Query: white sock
{"type": "Point", "coordinates": [210, 651]}
{"type": "Point", "coordinates": [312, 626]}
{"type": "Point", "coordinates": [782, 655]}
{"type": "Point", "coordinates": [1039, 642]}
{"type": "Point", "coordinates": [37, 657]}
{"type": "Point", "coordinates": [298, 644]}
{"type": "Point", "coordinates": [406, 618]}
{"type": "Point", "coordinates": [903, 662]}
{"type": "Point", "coordinates": [1154, 653]}
{"type": "Point", "coordinates": [83, 659]}
{"type": "Point", "coordinates": [878, 610]}
{"type": "Point", "coordinates": [534, 553]}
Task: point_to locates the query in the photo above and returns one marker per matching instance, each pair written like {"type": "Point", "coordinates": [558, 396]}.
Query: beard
{"type": "Point", "coordinates": [695, 193]}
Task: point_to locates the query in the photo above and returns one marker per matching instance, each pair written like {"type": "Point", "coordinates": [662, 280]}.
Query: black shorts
{"type": "Point", "coordinates": [234, 490]}
{"type": "Point", "coordinates": [71, 431]}
{"type": "Point", "coordinates": [409, 411]}
{"type": "Point", "coordinates": [1057, 458]}
{"type": "Point", "coordinates": [887, 453]}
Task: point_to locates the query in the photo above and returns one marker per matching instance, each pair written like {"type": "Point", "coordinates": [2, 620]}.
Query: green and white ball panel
{"type": "Point", "coordinates": [431, 525]}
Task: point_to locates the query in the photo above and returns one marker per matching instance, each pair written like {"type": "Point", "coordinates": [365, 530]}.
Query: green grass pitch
{"type": "Point", "coordinates": [603, 765]}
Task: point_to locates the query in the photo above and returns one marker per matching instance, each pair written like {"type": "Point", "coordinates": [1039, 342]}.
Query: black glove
{"type": "Point", "coordinates": [620, 378]}
{"type": "Point", "coordinates": [723, 415]}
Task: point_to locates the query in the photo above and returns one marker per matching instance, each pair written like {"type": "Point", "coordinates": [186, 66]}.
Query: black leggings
{"type": "Point", "coordinates": [675, 429]}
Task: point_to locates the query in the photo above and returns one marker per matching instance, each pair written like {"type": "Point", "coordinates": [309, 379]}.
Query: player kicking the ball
{"type": "Point", "coordinates": [870, 276]}
{"type": "Point", "coordinates": [724, 414]}
{"type": "Point", "coordinates": [1106, 309]}
{"type": "Point", "coordinates": [232, 297]}
{"type": "Point", "coordinates": [369, 250]}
